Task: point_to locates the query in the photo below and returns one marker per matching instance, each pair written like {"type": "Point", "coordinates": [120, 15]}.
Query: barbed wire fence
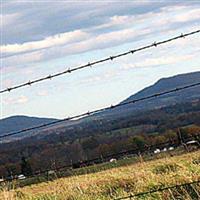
{"type": "Point", "coordinates": [89, 113]}
{"type": "Point", "coordinates": [193, 192]}
{"type": "Point", "coordinates": [91, 64]}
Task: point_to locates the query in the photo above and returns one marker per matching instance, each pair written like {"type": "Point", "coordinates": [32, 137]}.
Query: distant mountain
{"type": "Point", "coordinates": [15, 123]}
{"type": "Point", "coordinates": [162, 85]}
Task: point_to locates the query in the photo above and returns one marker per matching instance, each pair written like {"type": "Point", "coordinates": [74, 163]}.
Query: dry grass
{"type": "Point", "coordinates": [114, 182]}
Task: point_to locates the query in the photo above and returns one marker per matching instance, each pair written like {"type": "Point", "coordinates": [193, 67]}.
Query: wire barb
{"type": "Point", "coordinates": [49, 77]}
{"type": "Point", "coordinates": [155, 44]}
{"type": "Point", "coordinates": [111, 57]}
{"type": "Point", "coordinates": [89, 64]}
{"type": "Point", "coordinates": [182, 35]}
{"type": "Point", "coordinates": [8, 89]}
{"type": "Point", "coordinates": [29, 83]}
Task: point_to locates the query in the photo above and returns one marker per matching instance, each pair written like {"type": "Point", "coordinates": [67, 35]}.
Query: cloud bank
{"type": "Point", "coordinates": [113, 31]}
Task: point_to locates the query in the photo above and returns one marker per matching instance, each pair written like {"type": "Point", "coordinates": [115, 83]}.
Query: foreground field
{"type": "Point", "coordinates": [115, 182]}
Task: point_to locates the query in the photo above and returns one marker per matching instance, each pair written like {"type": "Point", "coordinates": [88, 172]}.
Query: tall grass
{"type": "Point", "coordinates": [116, 182]}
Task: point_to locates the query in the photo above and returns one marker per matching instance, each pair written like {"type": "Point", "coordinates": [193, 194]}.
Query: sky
{"type": "Point", "coordinates": [39, 38]}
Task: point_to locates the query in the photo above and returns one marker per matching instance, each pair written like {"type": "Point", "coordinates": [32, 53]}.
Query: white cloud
{"type": "Point", "coordinates": [128, 28]}
{"type": "Point", "coordinates": [186, 14]}
{"type": "Point", "coordinates": [164, 60]}
{"type": "Point", "coordinates": [59, 39]}
{"type": "Point", "coordinates": [43, 93]}
{"type": "Point", "coordinates": [167, 16]}
{"type": "Point", "coordinates": [96, 42]}
{"type": "Point", "coordinates": [101, 77]}
{"type": "Point", "coordinates": [8, 19]}
{"type": "Point", "coordinates": [22, 99]}
{"type": "Point", "coordinates": [15, 100]}
{"type": "Point", "coordinates": [106, 40]}
{"type": "Point", "coordinates": [22, 59]}
{"type": "Point", "coordinates": [7, 83]}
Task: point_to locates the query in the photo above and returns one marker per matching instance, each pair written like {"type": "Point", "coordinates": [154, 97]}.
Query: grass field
{"type": "Point", "coordinates": [122, 180]}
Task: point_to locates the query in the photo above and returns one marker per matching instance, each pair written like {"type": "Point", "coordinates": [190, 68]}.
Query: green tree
{"type": "Point", "coordinates": [89, 143]}
{"type": "Point", "coordinates": [138, 141]}
{"type": "Point", "coordinates": [26, 167]}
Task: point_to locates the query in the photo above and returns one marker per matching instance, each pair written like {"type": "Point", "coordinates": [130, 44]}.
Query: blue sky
{"type": "Point", "coordinates": [39, 38]}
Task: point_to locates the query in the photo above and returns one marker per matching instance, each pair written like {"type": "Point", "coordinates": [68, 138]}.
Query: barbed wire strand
{"type": "Point", "coordinates": [102, 109]}
{"type": "Point", "coordinates": [157, 190]}
{"type": "Point", "coordinates": [90, 64]}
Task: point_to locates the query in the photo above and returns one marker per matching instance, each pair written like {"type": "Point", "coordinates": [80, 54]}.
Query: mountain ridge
{"type": "Point", "coordinates": [166, 84]}
{"type": "Point", "coordinates": [15, 123]}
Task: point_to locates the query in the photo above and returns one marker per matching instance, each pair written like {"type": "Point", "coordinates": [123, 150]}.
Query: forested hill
{"type": "Point", "coordinates": [162, 85]}
{"type": "Point", "coordinates": [15, 123]}
{"type": "Point", "coordinates": [171, 83]}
